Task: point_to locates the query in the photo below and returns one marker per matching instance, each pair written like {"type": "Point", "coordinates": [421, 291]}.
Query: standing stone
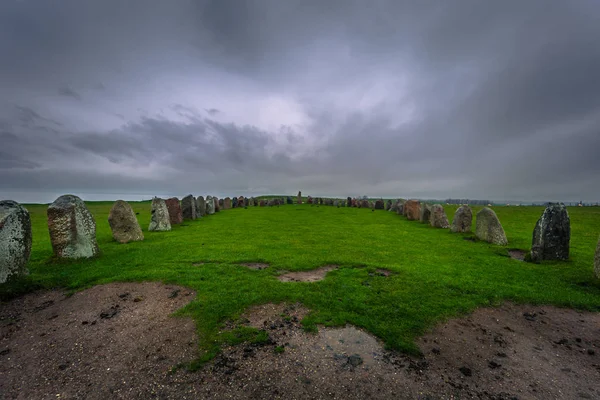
{"type": "Point", "coordinates": [175, 213]}
{"type": "Point", "coordinates": [299, 198]}
{"type": "Point", "coordinates": [364, 204]}
{"type": "Point", "coordinates": [488, 227]}
{"type": "Point", "coordinates": [123, 223]}
{"type": "Point", "coordinates": [289, 200]}
{"type": "Point", "coordinates": [227, 203]}
{"type": "Point", "coordinates": [188, 207]}
{"type": "Point", "coordinates": [210, 205]}
{"type": "Point", "coordinates": [412, 210]}
{"type": "Point", "coordinates": [72, 228]}
{"type": "Point", "coordinates": [216, 201]}
{"type": "Point", "coordinates": [388, 205]}
{"type": "Point", "coordinates": [234, 202]}
{"type": "Point", "coordinates": [552, 234]}
{"type": "Point", "coordinates": [597, 260]}
{"type": "Point", "coordinates": [349, 201]}
{"type": "Point", "coordinates": [400, 207]}
{"type": "Point", "coordinates": [425, 213]}
{"type": "Point", "coordinates": [221, 204]}
{"type": "Point", "coordinates": [241, 202]}
{"type": "Point", "coordinates": [159, 222]}
{"type": "Point", "coordinates": [438, 217]}
{"type": "Point", "coordinates": [262, 203]}
{"type": "Point", "coordinates": [336, 203]}
{"type": "Point", "coordinates": [379, 205]}
{"type": "Point", "coordinates": [247, 201]}
{"type": "Point", "coordinates": [462, 221]}
{"type": "Point", "coordinates": [309, 200]}
{"type": "Point", "coordinates": [200, 206]}
{"type": "Point", "coordinates": [15, 239]}
{"type": "Point", "coordinates": [354, 203]}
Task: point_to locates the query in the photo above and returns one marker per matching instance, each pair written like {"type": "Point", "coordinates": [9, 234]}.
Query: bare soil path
{"type": "Point", "coordinates": [119, 341]}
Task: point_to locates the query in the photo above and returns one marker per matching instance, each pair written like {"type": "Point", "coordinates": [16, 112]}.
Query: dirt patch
{"type": "Point", "coordinates": [307, 276]}
{"type": "Point", "coordinates": [52, 344]}
{"type": "Point", "coordinates": [110, 341]}
{"type": "Point", "coordinates": [256, 266]}
{"type": "Point", "coordinates": [381, 272]}
{"type": "Point", "coordinates": [517, 254]}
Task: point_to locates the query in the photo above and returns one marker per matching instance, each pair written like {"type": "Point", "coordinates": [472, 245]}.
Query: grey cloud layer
{"type": "Point", "coordinates": [431, 99]}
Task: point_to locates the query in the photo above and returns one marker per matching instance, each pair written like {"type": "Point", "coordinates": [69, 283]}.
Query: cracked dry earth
{"type": "Point", "coordinates": [118, 341]}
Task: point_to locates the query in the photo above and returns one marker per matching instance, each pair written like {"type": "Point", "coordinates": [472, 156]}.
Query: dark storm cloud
{"type": "Point", "coordinates": [465, 98]}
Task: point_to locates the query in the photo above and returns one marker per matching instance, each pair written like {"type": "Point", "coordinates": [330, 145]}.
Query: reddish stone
{"type": "Point", "coordinates": [175, 214]}
{"type": "Point", "coordinates": [412, 210]}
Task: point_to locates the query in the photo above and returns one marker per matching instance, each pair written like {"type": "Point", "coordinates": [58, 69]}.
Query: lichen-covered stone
{"type": "Point", "coordinates": [425, 213]}
{"type": "Point", "coordinates": [175, 213]}
{"type": "Point", "coordinates": [159, 221]}
{"type": "Point", "coordinates": [210, 205]}
{"type": "Point", "coordinates": [412, 210]}
{"type": "Point", "coordinates": [188, 207]}
{"type": "Point", "coordinates": [123, 223]}
{"type": "Point", "coordinates": [438, 218]}
{"type": "Point", "coordinates": [388, 205]}
{"type": "Point", "coordinates": [200, 206]}
{"type": "Point", "coordinates": [15, 239]}
{"type": "Point", "coordinates": [462, 221]}
{"type": "Point", "coordinates": [489, 228]}
{"type": "Point", "coordinates": [379, 204]}
{"type": "Point", "coordinates": [597, 260]}
{"type": "Point", "coordinates": [227, 203]}
{"type": "Point", "coordinates": [241, 202]}
{"type": "Point", "coordinates": [552, 234]}
{"type": "Point", "coordinates": [72, 228]}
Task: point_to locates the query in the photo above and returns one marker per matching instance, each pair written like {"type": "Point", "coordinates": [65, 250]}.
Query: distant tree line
{"type": "Point", "coordinates": [468, 201]}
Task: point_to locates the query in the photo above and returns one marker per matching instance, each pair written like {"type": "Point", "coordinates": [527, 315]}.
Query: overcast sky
{"type": "Point", "coordinates": [112, 99]}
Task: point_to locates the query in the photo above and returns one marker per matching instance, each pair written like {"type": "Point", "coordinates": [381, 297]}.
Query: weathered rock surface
{"type": "Point", "coordinates": [221, 203]}
{"type": "Point", "coordinates": [489, 228]}
{"type": "Point", "coordinates": [175, 213]}
{"type": "Point", "coordinates": [379, 204]}
{"type": "Point", "coordinates": [216, 203]}
{"type": "Point", "coordinates": [349, 202]}
{"type": "Point", "coordinates": [234, 202]}
{"type": "Point", "coordinates": [388, 205]}
{"type": "Point", "coordinates": [289, 200]}
{"type": "Point", "coordinates": [15, 239]}
{"type": "Point", "coordinates": [462, 221]}
{"type": "Point", "coordinates": [262, 203]}
{"type": "Point", "coordinates": [425, 213]}
{"type": "Point", "coordinates": [210, 205]}
{"type": "Point", "coordinates": [597, 260]}
{"type": "Point", "coordinates": [188, 207]}
{"type": "Point", "coordinates": [227, 203]}
{"type": "Point", "coordinates": [124, 224]}
{"type": "Point", "coordinates": [365, 204]}
{"type": "Point", "coordinates": [241, 202]}
{"type": "Point", "coordinates": [412, 210]}
{"type": "Point", "coordinates": [200, 206]}
{"type": "Point", "coordinates": [159, 221]}
{"type": "Point", "coordinates": [438, 218]}
{"type": "Point", "coordinates": [72, 228]}
{"type": "Point", "coordinates": [299, 198]}
{"type": "Point", "coordinates": [552, 234]}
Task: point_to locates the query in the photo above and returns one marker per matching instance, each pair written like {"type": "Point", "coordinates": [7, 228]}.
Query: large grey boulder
{"type": "Point", "coordinates": [488, 227]}
{"type": "Point", "coordinates": [15, 239]}
{"type": "Point", "coordinates": [597, 260]}
{"type": "Point", "coordinates": [438, 218]}
{"type": "Point", "coordinates": [159, 222]}
{"type": "Point", "coordinates": [188, 207]}
{"type": "Point", "coordinates": [227, 203]}
{"type": "Point", "coordinates": [210, 205]}
{"type": "Point", "coordinates": [72, 228]}
{"type": "Point", "coordinates": [552, 234]}
{"type": "Point", "coordinates": [123, 223]}
{"type": "Point", "coordinates": [462, 221]}
{"type": "Point", "coordinates": [424, 213]}
{"type": "Point", "coordinates": [200, 206]}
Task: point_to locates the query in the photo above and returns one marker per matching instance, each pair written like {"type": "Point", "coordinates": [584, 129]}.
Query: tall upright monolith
{"type": "Point", "coordinates": [15, 239]}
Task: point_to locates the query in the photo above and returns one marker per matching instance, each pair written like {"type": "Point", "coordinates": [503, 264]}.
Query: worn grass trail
{"type": "Point", "coordinates": [436, 274]}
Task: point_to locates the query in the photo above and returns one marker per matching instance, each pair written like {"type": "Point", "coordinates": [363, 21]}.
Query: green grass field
{"type": "Point", "coordinates": [436, 274]}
